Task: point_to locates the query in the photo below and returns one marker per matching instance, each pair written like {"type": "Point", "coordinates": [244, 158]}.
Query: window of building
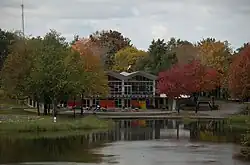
{"type": "Point", "coordinates": [141, 87]}
{"type": "Point", "coordinates": [96, 102]}
{"type": "Point", "coordinates": [118, 103]}
{"type": "Point", "coordinates": [115, 87]}
{"type": "Point", "coordinates": [128, 89]}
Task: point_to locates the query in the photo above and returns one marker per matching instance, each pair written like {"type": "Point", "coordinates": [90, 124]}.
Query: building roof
{"type": "Point", "coordinates": [126, 75]}
{"type": "Point", "coordinates": [116, 75]}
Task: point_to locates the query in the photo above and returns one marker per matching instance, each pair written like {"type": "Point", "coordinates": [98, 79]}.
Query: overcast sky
{"type": "Point", "coordinates": [140, 20]}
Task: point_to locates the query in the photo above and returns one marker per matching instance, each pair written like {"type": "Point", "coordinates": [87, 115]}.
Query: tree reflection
{"type": "Point", "coordinates": [70, 149]}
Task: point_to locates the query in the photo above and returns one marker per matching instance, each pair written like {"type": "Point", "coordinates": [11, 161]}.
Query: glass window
{"type": "Point", "coordinates": [118, 103]}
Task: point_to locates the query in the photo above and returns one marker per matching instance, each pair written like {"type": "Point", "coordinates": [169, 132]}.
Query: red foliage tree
{"type": "Point", "coordinates": [187, 79]}
{"type": "Point", "coordinates": [239, 75]}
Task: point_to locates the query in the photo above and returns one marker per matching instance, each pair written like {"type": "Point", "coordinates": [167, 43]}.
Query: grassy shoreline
{"type": "Point", "coordinates": [14, 119]}
{"type": "Point", "coordinates": [49, 135]}
{"type": "Point", "coordinates": [26, 123]}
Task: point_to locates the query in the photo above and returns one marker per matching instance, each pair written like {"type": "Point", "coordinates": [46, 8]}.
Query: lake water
{"type": "Point", "coordinates": [133, 145]}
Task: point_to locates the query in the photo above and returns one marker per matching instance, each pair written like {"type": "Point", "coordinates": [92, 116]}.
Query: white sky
{"type": "Point", "coordinates": [140, 20]}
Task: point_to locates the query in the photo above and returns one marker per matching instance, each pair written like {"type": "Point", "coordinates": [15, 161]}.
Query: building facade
{"type": "Point", "coordinates": [129, 90]}
{"type": "Point", "coordinates": [136, 89]}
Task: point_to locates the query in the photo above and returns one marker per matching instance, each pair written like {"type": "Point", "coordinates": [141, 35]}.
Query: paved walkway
{"type": "Point", "coordinates": [226, 109]}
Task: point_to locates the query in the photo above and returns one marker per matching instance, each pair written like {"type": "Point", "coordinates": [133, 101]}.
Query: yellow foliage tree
{"type": "Point", "coordinates": [216, 54]}
{"type": "Point", "coordinates": [127, 58]}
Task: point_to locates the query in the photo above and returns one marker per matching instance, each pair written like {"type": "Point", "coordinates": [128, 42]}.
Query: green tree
{"type": "Point", "coordinates": [162, 56]}
{"type": "Point", "coordinates": [49, 72]}
{"type": "Point", "coordinates": [128, 58]}
{"type": "Point", "coordinates": [110, 42]}
{"type": "Point", "coordinates": [44, 69]}
{"type": "Point", "coordinates": [6, 40]}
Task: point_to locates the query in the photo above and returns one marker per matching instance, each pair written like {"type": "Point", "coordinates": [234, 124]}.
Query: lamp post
{"type": "Point", "coordinates": [22, 9]}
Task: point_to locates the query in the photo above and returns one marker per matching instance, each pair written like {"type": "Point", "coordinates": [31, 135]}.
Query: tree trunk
{"type": "Point", "coordinates": [174, 105]}
{"type": "Point", "coordinates": [45, 106]}
{"type": "Point", "coordinates": [38, 108]}
{"type": "Point", "coordinates": [54, 107]}
{"type": "Point", "coordinates": [74, 108]}
{"type": "Point", "coordinates": [49, 108]}
{"type": "Point", "coordinates": [170, 104]}
{"type": "Point", "coordinates": [196, 100]}
{"type": "Point", "coordinates": [45, 109]}
{"type": "Point", "coordinates": [37, 104]}
{"type": "Point", "coordinates": [82, 104]}
{"type": "Point", "coordinates": [213, 102]}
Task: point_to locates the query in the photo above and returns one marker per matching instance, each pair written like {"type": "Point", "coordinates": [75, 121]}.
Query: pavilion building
{"type": "Point", "coordinates": [136, 89]}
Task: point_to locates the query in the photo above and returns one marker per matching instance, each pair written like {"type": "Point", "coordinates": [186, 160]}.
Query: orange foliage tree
{"type": "Point", "coordinates": [95, 79]}
{"type": "Point", "coordinates": [239, 75]}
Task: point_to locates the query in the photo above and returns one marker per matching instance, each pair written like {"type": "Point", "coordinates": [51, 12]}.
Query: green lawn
{"type": "Point", "coordinates": [28, 123]}
{"type": "Point", "coordinates": [16, 119]}
{"type": "Point", "coordinates": [239, 122]}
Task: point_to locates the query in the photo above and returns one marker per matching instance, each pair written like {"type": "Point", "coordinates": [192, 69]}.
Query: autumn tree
{"type": "Point", "coordinates": [242, 47]}
{"type": "Point", "coordinates": [239, 76]}
{"type": "Point", "coordinates": [186, 52]}
{"type": "Point", "coordinates": [92, 65]}
{"type": "Point", "coordinates": [95, 80]}
{"type": "Point", "coordinates": [187, 79]}
{"type": "Point", "coordinates": [16, 69]}
{"type": "Point", "coordinates": [111, 42]}
{"type": "Point", "coordinates": [128, 58]}
{"type": "Point", "coordinates": [216, 54]}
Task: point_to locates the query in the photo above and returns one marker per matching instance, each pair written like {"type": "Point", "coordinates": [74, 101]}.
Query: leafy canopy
{"type": "Point", "coordinates": [187, 79]}
{"type": "Point", "coordinates": [128, 58]}
{"type": "Point", "coordinates": [239, 75]}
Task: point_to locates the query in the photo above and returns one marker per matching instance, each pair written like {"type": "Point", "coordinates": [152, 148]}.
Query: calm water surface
{"type": "Point", "coordinates": [138, 146]}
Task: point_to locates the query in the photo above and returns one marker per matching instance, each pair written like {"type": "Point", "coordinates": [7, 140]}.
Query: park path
{"type": "Point", "coordinates": [226, 109]}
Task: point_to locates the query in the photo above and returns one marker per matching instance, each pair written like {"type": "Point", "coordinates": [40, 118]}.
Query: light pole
{"type": "Point", "coordinates": [22, 8]}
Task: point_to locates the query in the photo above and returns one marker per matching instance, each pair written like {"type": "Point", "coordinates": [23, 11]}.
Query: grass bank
{"type": "Point", "coordinates": [25, 123]}
{"type": "Point", "coordinates": [14, 119]}
{"type": "Point", "coordinates": [238, 123]}
{"type": "Point", "coordinates": [50, 135]}
{"type": "Point", "coordinates": [235, 123]}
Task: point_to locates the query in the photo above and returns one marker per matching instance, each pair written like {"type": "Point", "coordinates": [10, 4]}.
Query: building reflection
{"type": "Point", "coordinates": [131, 130]}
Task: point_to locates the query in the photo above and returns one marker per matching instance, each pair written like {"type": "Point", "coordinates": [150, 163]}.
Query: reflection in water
{"type": "Point", "coordinates": [75, 149]}
{"type": "Point", "coordinates": [169, 144]}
